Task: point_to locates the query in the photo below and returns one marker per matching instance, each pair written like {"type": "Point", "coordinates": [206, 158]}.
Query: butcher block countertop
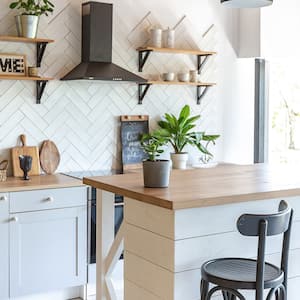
{"type": "Point", "coordinates": [208, 187]}
{"type": "Point", "coordinates": [15, 184]}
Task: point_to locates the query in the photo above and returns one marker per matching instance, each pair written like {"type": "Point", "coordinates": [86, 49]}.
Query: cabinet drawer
{"type": "Point", "coordinates": [47, 199]}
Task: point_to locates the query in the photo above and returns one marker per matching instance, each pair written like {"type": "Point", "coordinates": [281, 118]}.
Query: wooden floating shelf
{"type": "Point", "coordinates": [40, 83]}
{"type": "Point", "coordinates": [16, 39]}
{"type": "Point", "coordinates": [25, 78]}
{"type": "Point", "coordinates": [180, 83]}
{"type": "Point", "coordinates": [176, 51]}
{"type": "Point", "coordinates": [202, 88]}
{"type": "Point", "coordinates": [41, 45]}
{"type": "Point", "coordinates": [202, 56]}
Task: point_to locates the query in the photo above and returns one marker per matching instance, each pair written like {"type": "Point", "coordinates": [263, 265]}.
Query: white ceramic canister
{"type": "Point", "coordinates": [194, 76]}
{"type": "Point", "coordinates": [155, 37]}
{"type": "Point", "coordinates": [169, 38]}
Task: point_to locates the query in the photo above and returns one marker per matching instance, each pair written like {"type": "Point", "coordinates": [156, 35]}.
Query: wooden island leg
{"type": "Point", "coordinates": [108, 248]}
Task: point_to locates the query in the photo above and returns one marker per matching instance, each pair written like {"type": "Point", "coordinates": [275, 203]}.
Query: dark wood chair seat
{"type": "Point", "coordinates": [230, 275]}
{"type": "Point", "coordinates": [239, 273]}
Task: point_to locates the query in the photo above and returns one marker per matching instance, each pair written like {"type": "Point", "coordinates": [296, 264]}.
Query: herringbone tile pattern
{"type": "Point", "coordinates": [82, 117]}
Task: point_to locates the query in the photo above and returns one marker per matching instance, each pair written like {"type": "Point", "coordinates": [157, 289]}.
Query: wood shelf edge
{"type": "Point", "coordinates": [176, 50]}
{"type": "Point", "coordinates": [8, 38]}
{"type": "Point", "coordinates": [26, 78]}
{"type": "Point", "coordinates": [180, 83]}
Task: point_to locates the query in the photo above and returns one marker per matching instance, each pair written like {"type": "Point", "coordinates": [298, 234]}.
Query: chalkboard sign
{"type": "Point", "coordinates": [132, 127]}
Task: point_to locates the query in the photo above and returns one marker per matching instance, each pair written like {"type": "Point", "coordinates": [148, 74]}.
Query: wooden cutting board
{"type": "Point", "coordinates": [25, 150]}
{"type": "Point", "coordinates": [49, 157]}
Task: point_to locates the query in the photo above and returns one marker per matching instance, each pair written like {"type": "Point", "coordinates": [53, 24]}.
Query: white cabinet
{"type": "Point", "coordinates": [4, 256]}
{"type": "Point", "coordinates": [48, 249]}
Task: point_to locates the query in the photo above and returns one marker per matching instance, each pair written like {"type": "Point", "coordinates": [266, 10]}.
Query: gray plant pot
{"type": "Point", "coordinates": [19, 25]}
{"type": "Point", "coordinates": [156, 173]}
{"type": "Point", "coordinates": [29, 25]}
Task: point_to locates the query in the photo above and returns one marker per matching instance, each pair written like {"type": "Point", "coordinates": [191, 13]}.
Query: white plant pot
{"type": "Point", "coordinates": [179, 160]}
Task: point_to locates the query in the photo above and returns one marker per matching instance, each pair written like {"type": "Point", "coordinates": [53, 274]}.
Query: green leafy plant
{"type": "Point", "coordinates": [33, 7]}
{"type": "Point", "coordinates": [152, 144]}
{"type": "Point", "coordinates": [179, 132]}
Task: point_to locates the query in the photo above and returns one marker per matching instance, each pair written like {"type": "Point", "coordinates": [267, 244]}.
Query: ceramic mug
{"type": "Point", "coordinates": [168, 76]}
{"type": "Point", "coordinates": [194, 76]}
{"type": "Point", "coordinates": [183, 77]}
{"type": "Point", "coordinates": [33, 72]}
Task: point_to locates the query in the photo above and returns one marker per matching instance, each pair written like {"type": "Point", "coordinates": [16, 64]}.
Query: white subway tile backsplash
{"type": "Point", "coordinates": [82, 117]}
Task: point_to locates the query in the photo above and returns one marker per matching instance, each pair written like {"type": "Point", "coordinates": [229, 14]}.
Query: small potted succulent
{"type": "Point", "coordinates": [179, 133]}
{"type": "Point", "coordinates": [27, 22]}
{"type": "Point", "coordinates": [156, 171]}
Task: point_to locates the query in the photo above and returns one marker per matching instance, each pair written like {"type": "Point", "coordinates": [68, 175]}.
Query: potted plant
{"type": "Point", "coordinates": [27, 22]}
{"type": "Point", "coordinates": [179, 133]}
{"type": "Point", "coordinates": [156, 171]}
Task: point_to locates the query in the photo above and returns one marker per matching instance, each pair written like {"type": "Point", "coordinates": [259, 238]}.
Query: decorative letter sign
{"type": "Point", "coordinates": [12, 64]}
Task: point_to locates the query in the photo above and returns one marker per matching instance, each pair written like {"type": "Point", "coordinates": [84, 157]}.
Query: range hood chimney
{"type": "Point", "coordinates": [96, 62]}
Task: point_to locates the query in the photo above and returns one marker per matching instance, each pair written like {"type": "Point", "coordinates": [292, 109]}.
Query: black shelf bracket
{"type": "Point", "coordinates": [201, 62]}
{"type": "Point", "coordinates": [40, 51]}
{"type": "Point", "coordinates": [201, 91]}
{"type": "Point", "coordinates": [143, 89]}
{"type": "Point", "coordinates": [40, 88]}
{"type": "Point", "coordinates": [143, 57]}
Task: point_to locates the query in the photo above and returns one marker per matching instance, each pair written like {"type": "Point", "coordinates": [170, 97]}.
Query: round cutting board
{"type": "Point", "coordinates": [49, 157]}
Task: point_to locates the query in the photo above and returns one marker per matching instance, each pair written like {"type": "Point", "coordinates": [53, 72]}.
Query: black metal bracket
{"type": "Point", "coordinates": [201, 63]}
{"type": "Point", "coordinates": [143, 89]}
{"type": "Point", "coordinates": [201, 91]}
{"type": "Point", "coordinates": [40, 51]}
{"type": "Point", "coordinates": [40, 88]}
{"type": "Point", "coordinates": [143, 57]}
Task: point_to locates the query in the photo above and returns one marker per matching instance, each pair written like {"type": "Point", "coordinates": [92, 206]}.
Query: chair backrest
{"type": "Point", "coordinates": [263, 226]}
{"type": "Point", "coordinates": [278, 223]}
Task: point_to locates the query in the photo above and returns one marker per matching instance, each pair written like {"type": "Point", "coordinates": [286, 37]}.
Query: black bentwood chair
{"type": "Point", "coordinates": [229, 275]}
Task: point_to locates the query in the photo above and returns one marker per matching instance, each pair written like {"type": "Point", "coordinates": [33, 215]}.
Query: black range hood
{"type": "Point", "coordinates": [96, 62]}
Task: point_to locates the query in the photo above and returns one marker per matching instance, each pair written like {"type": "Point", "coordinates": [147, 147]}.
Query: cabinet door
{"type": "Point", "coordinates": [48, 250]}
{"type": "Point", "coordinates": [4, 258]}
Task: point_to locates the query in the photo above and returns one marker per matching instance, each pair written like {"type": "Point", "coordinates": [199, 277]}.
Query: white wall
{"type": "Point", "coordinates": [82, 117]}
{"type": "Point", "coordinates": [249, 33]}
{"type": "Point", "coordinates": [279, 25]}
{"type": "Point", "coordinates": [239, 115]}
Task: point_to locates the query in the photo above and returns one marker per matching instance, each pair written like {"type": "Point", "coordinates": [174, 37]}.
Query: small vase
{"type": "Point", "coordinates": [29, 26]}
{"type": "Point", "coordinates": [179, 160]}
{"type": "Point", "coordinates": [156, 173]}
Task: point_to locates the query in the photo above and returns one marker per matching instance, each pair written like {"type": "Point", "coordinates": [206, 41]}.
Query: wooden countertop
{"type": "Point", "coordinates": [15, 184]}
{"type": "Point", "coordinates": [208, 187]}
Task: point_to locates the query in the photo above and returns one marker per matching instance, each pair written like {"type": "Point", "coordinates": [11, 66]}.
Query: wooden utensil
{"type": "Point", "coordinates": [49, 157]}
{"type": "Point", "coordinates": [25, 150]}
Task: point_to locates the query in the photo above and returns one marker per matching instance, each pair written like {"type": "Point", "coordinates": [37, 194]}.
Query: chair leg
{"type": "Point", "coordinates": [278, 294]}
{"type": "Point", "coordinates": [231, 294]}
{"type": "Point", "coordinates": [204, 289]}
{"type": "Point", "coordinates": [283, 295]}
{"type": "Point", "coordinates": [225, 295]}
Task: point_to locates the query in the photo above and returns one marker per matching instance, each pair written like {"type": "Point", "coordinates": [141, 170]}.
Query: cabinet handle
{"type": "Point", "coordinates": [14, 219]}
{"type": "Point", "coordinates": [49, 199]}
{"type": "Point", "coordinates": [3, 198]}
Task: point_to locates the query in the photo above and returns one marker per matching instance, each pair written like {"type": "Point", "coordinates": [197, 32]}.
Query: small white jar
{"type": "Point", "coordinates": [169, 38]}
{"type": "Point", "coordinates": [155, 37]}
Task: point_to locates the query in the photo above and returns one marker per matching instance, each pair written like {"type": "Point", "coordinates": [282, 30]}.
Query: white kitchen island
{"type": "Point", "coordinates": [168, 233]}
